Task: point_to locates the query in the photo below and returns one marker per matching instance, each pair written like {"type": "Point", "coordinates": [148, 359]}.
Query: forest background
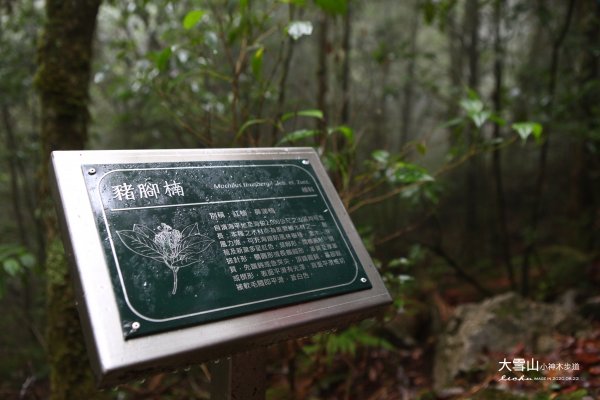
{"type": "Point", "coordinates": [462, 135]}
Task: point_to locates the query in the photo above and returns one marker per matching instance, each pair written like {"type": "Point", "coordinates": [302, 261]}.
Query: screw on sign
{"type": "Point", "coordinates": [227, 217]}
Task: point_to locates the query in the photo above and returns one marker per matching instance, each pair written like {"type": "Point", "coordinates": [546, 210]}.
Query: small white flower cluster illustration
{"type": "Point", "coordinates": [175, 249]}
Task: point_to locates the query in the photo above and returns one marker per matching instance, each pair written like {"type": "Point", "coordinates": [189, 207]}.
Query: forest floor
{"type": "Point", "coordinates": [384, 374]}
{"type": "Point", "coordinates": [373, 372]}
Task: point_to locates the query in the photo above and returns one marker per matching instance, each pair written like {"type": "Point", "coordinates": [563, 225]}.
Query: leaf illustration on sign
{"type": "Point", "coordinates": [176, 249]}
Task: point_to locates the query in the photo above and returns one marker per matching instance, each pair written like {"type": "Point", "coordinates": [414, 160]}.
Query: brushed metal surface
{"type": "Point", "coordinates": [115, 359]}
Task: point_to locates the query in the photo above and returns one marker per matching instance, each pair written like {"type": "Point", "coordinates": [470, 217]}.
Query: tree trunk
{"type": "Point", "coordinates": [340, 142]}
{"type": "Point", "coordinates": [587, 167]}
{"type": "Point", "coordinates": [15, 189]}
{"type": "Point", "coordinates": [455, 65]}
{"type": "Point", "coordinates": [282, 84]}
{"type": "Point", "coordinates": [409, 80]}
{"type": "Point", "coordinates": [322, 79]}
{"type": "Point", "coordinates": [536, 210]}
{"type": "Point", "coordinates": [63, 76]}
{"type": "Point", "coordinates": [346, 46]}
{"type": "Point", "coordinates": [472, 134]}
{"type": "Point", "coordinates": [503, 236]}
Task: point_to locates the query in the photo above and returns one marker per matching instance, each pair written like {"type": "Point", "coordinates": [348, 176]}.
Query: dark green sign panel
{"type": "Point", "coordinates": [188, 243]}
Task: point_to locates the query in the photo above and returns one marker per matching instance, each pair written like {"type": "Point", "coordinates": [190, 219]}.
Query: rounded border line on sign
{"type": "Point", "coordinates": [325, 200]}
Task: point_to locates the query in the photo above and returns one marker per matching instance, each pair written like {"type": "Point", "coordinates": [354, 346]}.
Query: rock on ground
{"type": "Point", "coordinates": [498, 324]}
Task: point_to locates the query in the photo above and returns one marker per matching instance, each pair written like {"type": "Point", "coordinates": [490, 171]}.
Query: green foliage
{"type": "Point", "coordinates": [497, 394]}
{"type": "Point", "coordinates": [333, 7]}
{"type": "Point", "coordinates": [479, 115]}
{"type": "Point", "coordinates": [415, 182]}
{"type": "Point", "coordinates": [406, 174]}
{"type": "Point", "coordinates": [579, 394]}
{"type": "Point", "coordinates": [299, 3]}
{"type": "Point", "coordinates": [396, 276]}
{"type": "Point", "coordinates": [161, 59]}
{"type": "Point", "coordinates": [437, 10]}
{"type": "Point", "coordinates": [288, 137]}
{"type": "Point", "coordinates": [345, 343]}
{"type": "Point", "coordinates": [216, 75]}
{"type": "Point", "coordinates": [257, 63]}
{"type": "Point", "coordinates": [382, 157]}
{"type": "Point", "coordinates": [346, 132]}
{"type": "Point", "coordinates": [15, 261]}
{"type": "Point", "coordinates": [192, 18]}
{"type": "Point", "coordinates": [396, 172]}
{"type": "Point", "coordinates": [475, 110]}
{"type": "Point", "coordinates": [318, 114]}
{"type": "Point", "coordinates": [299, 135]}
{"type": "Point", "coordinates": [526, 129]}
{"type": "Point", "coordinates": [569, 270]}
{"type": "Point", "coordinates": [17, 64]}
{"type": "Point", "coordinates": [338, 162]}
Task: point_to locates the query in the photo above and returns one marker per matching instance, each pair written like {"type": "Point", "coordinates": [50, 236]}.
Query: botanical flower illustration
{"type": "Point", "coordinates": [176, 249]}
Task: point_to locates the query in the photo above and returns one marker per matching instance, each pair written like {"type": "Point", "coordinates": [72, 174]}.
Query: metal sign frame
{"type": "Point", "coordinates": [115, 359]}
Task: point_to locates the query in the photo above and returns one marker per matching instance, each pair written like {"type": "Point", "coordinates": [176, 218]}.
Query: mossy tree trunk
{"type": "Point", "coordinates": [63, 76]}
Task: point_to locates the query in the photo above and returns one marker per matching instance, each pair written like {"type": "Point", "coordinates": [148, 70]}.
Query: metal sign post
{"type": "Point", "coordinates": [186, 256]}
{"type": "Point", "coordinates": [239, 377]}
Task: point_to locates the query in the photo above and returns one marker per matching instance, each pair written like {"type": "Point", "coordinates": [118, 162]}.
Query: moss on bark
{"type": "Point", "coordinates": [70, 376]}
{"type": "Point", "coordinates": [64, 65]}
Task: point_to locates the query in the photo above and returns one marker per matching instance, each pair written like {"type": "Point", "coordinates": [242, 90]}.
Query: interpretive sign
{"type": "Point", "coordinates": [182, 256]}
{"type": "Point", "coordinates": [193, 242]}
